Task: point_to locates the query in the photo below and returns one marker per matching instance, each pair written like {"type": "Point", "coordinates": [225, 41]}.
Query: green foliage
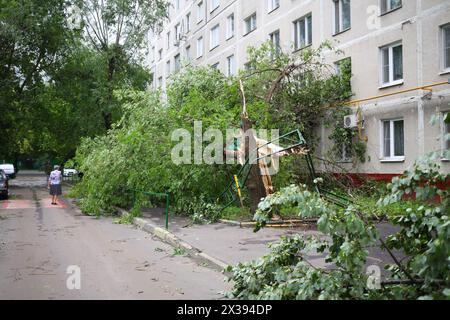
{"type": "Point", "coordinates": [136, 154]}
{"type": "Point", "coordinates": [286, 273]}
{"type": "Point", "coordinates": [344, 138]}
{"type": "Point", "coordinates": [237, 214]}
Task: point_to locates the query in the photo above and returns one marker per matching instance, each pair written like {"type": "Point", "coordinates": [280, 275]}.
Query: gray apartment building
{"type": "Point", "coordinates": [399, 51]}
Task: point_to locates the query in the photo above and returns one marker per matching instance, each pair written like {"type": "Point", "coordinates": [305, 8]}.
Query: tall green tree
{"type": "Point", "coordinates": [118, 30]}
{"type": "Point", "coordinates": [34, 38]}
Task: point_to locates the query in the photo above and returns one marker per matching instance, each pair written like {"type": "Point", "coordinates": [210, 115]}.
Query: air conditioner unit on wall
{"type": "Point", "coordinates": [351, 122]}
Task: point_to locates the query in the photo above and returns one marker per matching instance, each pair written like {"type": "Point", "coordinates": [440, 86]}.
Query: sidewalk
{"type": "Point", "coordinates": [219, 245]}
{"type": "Point", "coordinates": [224, 243]}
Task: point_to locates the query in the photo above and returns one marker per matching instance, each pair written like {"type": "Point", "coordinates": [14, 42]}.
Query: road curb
{"type": "Point", "coordinates": [171, 239]}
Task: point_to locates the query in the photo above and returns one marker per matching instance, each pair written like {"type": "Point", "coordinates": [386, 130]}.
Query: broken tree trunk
{"type": "Point", "coordinates": [255, 183]}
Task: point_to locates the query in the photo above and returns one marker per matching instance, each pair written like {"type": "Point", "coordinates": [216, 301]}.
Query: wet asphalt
{"type": "Point", "coordinates": [55, 252]}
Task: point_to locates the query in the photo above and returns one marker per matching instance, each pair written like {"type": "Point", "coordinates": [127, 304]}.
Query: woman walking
{"type": "Point", "coordinates": [54, 184]}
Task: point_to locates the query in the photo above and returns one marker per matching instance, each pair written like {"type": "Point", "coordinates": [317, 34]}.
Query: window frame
{"type": "Point", "coordinates": [200, 40]}
{"type": "Point", "coordinates": [249, 18]}
{"type": "Point", "coordinates": [391, 81]}
{"type": "Point", "coordinates": [213, 8]}
{"type": "Point", "coordinates": [444, 142]}
{"type": "Point", "coordinates": [200, 11]}
{"type": "Point", "coordinates": [297, 32]}
{"type": "Point", "coordinates": [392, 157]}
{"type": "Point", "coordinates": [338, 18]}
{"type": "Point", "coordinates": [177, 62]}
{"type": "Point", "coordinates": [276, 45]}
{"type": "Point", "coordinates": [270, 5]}
{"type": "Point", "coordinates": [388, 8]}
{"type": "Point", "coordinates": [444, 69]}
{"type": "Point", "coordinates": [212, 46]}
{"type": "Point", "coordinates": [231, 33]}
{"type": "Point", "coordinates": [231, 68]}
{"type": "Point", "coordinates": [188, 22]}
{"type": "Point", "coordinates": [168, 69]}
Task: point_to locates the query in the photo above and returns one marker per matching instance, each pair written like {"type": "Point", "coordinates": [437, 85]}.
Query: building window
{"type": "Point", "coordinates": [344, 69]}
{"type": "Point", "coordinates": [177, 60]}
{"type": "Point", "coordinates": [152, 54]}
{"type": "Point", "coordinates": [389, 5]}
{"type": "Point", "coordinates": [446, 132]}
{"type": "Point", "coordinates": [200, 12]}
{"type": "Point", "coordinates": [231, 66]}
{"type": "Point", "coordinates": [188, 22]}
{"type": "Point", "coordinates": [230, 26]}
{"type": "Point", "coordinates": [303, 32]}
{"type": "Point", "coordinates": [393, 145]}
{"type": "Point", "coordinates": [392, 64]}
{"type": "Point", "coordinates": [199, 47]}
{"type": "Point", "coordinates": [160, 82]}
{"type": "Point", "coordinates": [446, 47]}
{"type": "Point", "coordinates": [214, 4]}
{"type": "Point", "coordinates": [177, 33]}
{"type": "Point", "coordinates": [275, 41]}
{"type": "Point", "coordinates": [250, 23]}
{"type": "Point", "coordinates": [168, 40]}
{"type": "Point", "coordinates": [177, 5]}
{"type": "Point", "coordinates": [215, 66]}
{"type": "Point", "coordinates": [188, 53]}
{"type": "Point", "coordinates": [342, 15]}
{"type": "Point", "coordinates": [272, 5]}
{"type": "Point", "coordinates": [214, 37]}
{"type": "Point", "coordinates": [168, 68]}
{"type": "Point", "coordinates": [160, 52]}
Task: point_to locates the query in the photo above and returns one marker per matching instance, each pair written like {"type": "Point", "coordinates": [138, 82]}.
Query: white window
{"type": "Point", "coordinates": [214, 37]}
{"type": "Point", "coordinates": [275, 40]}
{"type": "Point", "coordinates": [177, 60]}
{"type": "Point", "coordinates": [188, 53]}
{"type": "Point", "coordinates": [168, 40]}
{"type": "Point", "coordinates": [389, 5]}
{"type": "Point", "coordinates": [342, 15]}
{"type": "Point", "coordinates": [160, 82]}
{"type": "Point", "coordinates": [168, 68]}
{"type": "Point", "coordinates": [215, 66]}
{"type": "Point", "coordinates": [231, 66]}
{"type": "Point", "coordinates": [177, 33]}
{"type": "Point", "coordinates": [200, 12]}
{"type": "Point", "coordinates": [393, 140]}
{"type": "Point", "coordinates": [273, 4]}
{"type": "Point", "coordinates": [214, 4]}
{"type": "Point", "coordinates": [446, 47]}
{"type": "Point", "coordinates": [230, 26]}
{"type": "Point", "coordinates": [250, 23]}
{"type": "Point", "coordinates": [446, 132]}
{"type": "Point", "coordinates": [178, 4]}
{"type": "Point", "coordinates": [199, 47]}
{"type": "Point", "coordinates": [392, 64]}
{"type": "Point", "coordinates": [188, 22]}
{"type": "Point", "coordinates": [152, 54]}
{"type": "Point", "coordinates": [160, 54]}
{"type": "Point", "coordinates": [303, 32]}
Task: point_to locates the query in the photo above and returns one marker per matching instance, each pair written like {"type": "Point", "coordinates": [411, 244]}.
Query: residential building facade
{"type": "Point", "coordinates": [394, 46]}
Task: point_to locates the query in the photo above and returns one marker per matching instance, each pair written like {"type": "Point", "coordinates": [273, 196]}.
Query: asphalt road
{"type": "Point", "coordinates": [47, 252]}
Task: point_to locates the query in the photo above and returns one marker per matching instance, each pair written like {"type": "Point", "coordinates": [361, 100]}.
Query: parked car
{"type": "Point", "coordinates": [4, 185]}
{"type": "Point", "coordinates": [69, 172]}
{"type": "Point", "coordinates": [9, 170]}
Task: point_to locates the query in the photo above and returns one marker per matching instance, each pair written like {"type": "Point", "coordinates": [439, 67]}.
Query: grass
{"type": "Point", "coordinates": [237, 214]}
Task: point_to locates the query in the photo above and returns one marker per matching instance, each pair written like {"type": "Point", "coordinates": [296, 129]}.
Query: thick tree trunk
{"type": "Point", "coordinates": [255, 183]}
{"type": "Point", "coordinates": [107, 114]}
